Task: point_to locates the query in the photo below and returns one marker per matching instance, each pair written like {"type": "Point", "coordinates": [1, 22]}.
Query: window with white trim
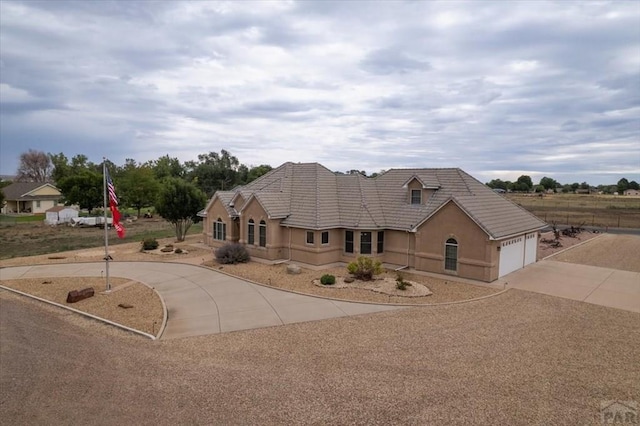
{"type": "Point", "coordinates": [325, 237]}
{"type": "Point", "coordinates": [219, 230]}
{"type": "Point", "coordinates": [365, 242]}
{"type": "Point", "coordinates": [348, 241]}
{"type": "Point", "coordinates": [416, 196]}
{"type": "Point", "coordinates": [451, 255]}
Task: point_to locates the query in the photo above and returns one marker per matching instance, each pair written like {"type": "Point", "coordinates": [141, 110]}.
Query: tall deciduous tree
{"type": "Point", "coordinates": [137, 185]}
{"type": "Point", "coordinates": [548, 183]}
{"type": "Point", "coordinates": [165, 167]}
{"type": "Point", "coordinates": [623, 185]}
{"type": "Point", "coordinates": [214, 171]}
{"type": "Point", "coordinates": [35, 166]}
{"type": "Point", "coordinates": [178, 202]}
{"type": "Point", "coordinates": [524, 183]}
{"type": "Point", "coordinates": [83, 187]}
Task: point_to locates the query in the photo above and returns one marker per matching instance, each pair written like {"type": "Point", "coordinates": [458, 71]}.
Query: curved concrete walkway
{"type": "Point", "coordinates": [202, 301]}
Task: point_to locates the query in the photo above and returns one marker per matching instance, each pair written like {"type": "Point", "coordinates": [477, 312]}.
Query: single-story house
{"type": "Point", "coordinates": [634, 192]}
{"type": "Point", "coordinates": [434, 220]}
{"type": "Point", "coordinates": [30, 197]}
{"type": "Point", "coordinates": [60, 214]}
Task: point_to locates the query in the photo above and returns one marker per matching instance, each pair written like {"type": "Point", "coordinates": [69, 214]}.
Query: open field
{"type": "Point", "coordinates": [589, 210]}
{"type": "Point", "coordinates": [33, 238]}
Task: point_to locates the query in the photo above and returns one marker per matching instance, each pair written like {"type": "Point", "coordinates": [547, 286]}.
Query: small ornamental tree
{"type": "Point", "coordinates": [364, 268]}
{"type": "Point", "coordinates": [178, 203]}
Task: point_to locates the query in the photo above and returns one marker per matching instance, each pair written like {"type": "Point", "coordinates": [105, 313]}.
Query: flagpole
{"type": "Point", "coordinates": [106, 224]}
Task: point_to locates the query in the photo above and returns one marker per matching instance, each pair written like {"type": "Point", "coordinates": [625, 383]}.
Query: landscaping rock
{"type": "Point", "coordinates": [166, 249]}
{"type": "Point", "coordinates": [77, 295]}
{"type": "Point", "coordinates": [125, 306]}
{"type": "Point", "coordinates": [293, 269]}
{"type": "Point", "coordinates": [349, 280]}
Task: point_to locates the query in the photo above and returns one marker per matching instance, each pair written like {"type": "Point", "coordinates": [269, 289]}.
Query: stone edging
{"type": "Point", "coordinates": [86, 314]}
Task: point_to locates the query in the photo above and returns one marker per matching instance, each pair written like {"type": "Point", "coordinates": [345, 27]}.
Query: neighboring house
{"type": "Point", "coordinates": [30, 197]}
{"type": "Point", "coordinates": [435, 220]}
{"type": "Point", "coordinates": [631, 192]}
{"type": "Point", "coordinates": [60, 214]}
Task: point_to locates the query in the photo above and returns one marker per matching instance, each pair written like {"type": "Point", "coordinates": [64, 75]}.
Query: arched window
{"type": "Point", "coordinates": [451, 255]}
{"type": "Point", "coordinates": [219, 230]}
{"type": "Point", "coordinates": [263, 233]}
{"type": "Point", "coordinates": [251, 235]}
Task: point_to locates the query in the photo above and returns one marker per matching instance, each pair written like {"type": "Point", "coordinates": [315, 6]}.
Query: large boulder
{"type": "Point", "coordinates": [77, 295]}
{"type": "Point", "coordinates": [293, 269]}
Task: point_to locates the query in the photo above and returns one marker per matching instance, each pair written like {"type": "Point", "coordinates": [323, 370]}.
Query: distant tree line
{"type": "Point", "coordinates": [525, 184]}
{"type": "Point", "coordinates": [176, 190]}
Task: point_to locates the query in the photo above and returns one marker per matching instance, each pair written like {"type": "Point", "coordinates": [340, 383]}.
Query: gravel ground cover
{"type": "Point", "coordinates": [608, 251]}
{"type": "Point", "coordinates": [145, 314]}
{"type": "Point", "coordinates": [519, 358]}
{"type": "Point", "coordinates": [444, 290]}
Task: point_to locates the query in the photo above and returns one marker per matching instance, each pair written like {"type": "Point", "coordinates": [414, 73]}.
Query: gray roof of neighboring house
{"type": "Point", "coordinates": [308, 195]}
{"type": "Point", "coordinates": [19, 191]}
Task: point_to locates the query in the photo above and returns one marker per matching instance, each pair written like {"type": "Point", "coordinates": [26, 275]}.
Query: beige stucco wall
{"type": "Point", "coordinates": [216, 210]}
{"type": "Point", "coordinates": [476, 253]}
{"type": "Point", "coordinates": [423, 250]}
{"type": "Point", "coordinates": [276, 239]}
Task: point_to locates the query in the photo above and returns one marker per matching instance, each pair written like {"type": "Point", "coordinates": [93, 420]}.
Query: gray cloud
{"type": "Point", "coordinates": [496, 88]}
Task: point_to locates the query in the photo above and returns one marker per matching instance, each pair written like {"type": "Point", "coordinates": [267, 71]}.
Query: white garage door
{"type": "Point", "coordinates": [530, 248]}
{"type": "Point", "coordinates": [511, 255]}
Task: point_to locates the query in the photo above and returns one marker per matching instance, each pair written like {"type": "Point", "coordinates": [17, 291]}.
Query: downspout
{"type": "Point", "coordinates": [289, 259]}
{"type": "Point", "coordinates": [407, 265]}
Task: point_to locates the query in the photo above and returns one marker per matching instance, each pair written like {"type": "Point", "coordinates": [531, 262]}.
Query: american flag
{"type": "Point", "coordinates": [113, 198]}
{"type": "Point", "coordinates": [113, 205]}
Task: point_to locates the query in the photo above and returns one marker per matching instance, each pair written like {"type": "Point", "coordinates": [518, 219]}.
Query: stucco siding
{"type": "Point", "coordinates": [474, 247]}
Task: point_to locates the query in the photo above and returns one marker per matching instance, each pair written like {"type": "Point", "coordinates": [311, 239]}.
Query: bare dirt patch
{"type": "Point", "coordinates": [545, 249]}
{"type": "Point", "coordinates": [608, 251]}
{"type": "Point", "coordinates": [386, 285]}
{"type": "Point", "coordinates": [121, 252]}
{"type": "Point", "coordinates": [145, 314]}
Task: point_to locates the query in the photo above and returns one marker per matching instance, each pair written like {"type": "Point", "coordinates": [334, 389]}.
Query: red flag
{"type": "Point", "coordinates": [113, 206]}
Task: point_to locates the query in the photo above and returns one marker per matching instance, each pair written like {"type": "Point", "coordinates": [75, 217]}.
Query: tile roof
{"type": "Point", "coordinates": [308, 195]}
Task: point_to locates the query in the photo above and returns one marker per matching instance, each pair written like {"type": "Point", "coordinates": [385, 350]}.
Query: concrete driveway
{"type": "Point", "coordinates": [591, 284]}
{"type": "Point", "coordinates": [202, 301]}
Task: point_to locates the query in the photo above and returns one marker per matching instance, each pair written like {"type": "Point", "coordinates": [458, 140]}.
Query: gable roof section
{"type": "Point", "coordinates": [22, 191]}
{"type": "Point", "coordinates": [308, 195]}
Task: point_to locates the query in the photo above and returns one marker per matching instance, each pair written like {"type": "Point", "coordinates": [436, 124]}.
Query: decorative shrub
{"type": "Point", "coordinates": [178, 250]}
{"type": "Point", "coordinates": [364, 268]}
{"type": "Point", "coordinates": [401, 284]}
{"type": "Point", "coordinates": [149, 244]}
{"type": "Point", "coordinates": [232, 253]}
{"type": "Point", "coordinates": [327, 279]}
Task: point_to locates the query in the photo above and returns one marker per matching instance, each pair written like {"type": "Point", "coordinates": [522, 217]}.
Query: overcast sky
{"type": "Point", "coordinates": [497, 88]}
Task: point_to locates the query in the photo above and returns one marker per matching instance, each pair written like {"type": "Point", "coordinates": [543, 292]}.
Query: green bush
{"type": "Point", "coordinates": [364, 268]}
{"type": "Point", "coordinates": [149, 244]}
{"type": "Point", "coordinates": [401, 284]}
{"type": "Point", "coordinates": [327, 279]}
{"type": "Point", "coordinates": [232, 253]}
